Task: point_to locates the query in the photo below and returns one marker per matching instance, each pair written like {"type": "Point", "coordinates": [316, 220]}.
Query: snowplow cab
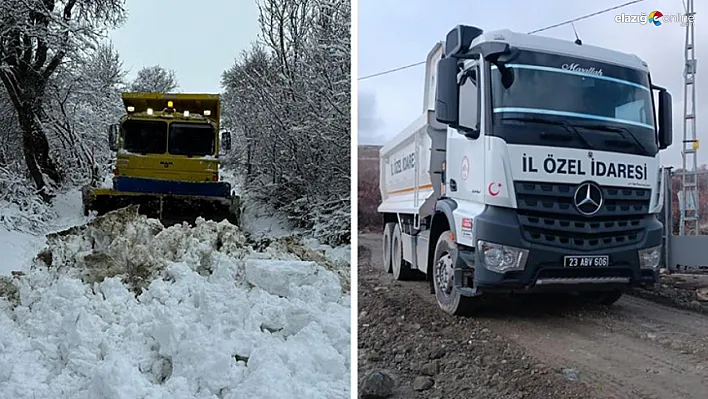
{"type": "Point", "coordinates": [167, 160]}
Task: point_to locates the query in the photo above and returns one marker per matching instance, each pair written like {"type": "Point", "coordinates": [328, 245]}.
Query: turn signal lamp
{"type": "Point", "coordinates": [131, 108]}
{"type": "Point", "coordinates": [169, 104]}
{"type": "Point", "coordinates": [207, 112]}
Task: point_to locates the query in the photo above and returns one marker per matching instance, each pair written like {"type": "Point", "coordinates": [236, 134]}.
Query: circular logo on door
{"type": "Point", "coordinates": [465, 168]}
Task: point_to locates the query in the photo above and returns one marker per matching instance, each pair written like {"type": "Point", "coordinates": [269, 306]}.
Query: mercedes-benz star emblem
{"type": "Point", "coordinates": [588, 198]}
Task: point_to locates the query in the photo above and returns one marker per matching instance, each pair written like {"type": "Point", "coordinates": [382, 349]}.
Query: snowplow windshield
{"type": "Point", "coordinates": [192, 139]}
{"type": "Point", "coordinates": [144, 137]}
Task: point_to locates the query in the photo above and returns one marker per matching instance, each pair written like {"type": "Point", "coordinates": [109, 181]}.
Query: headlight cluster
{"type": "Point", "coordinates": [650, 258]}
{"type": "Point", "coordinates": [501, 258]}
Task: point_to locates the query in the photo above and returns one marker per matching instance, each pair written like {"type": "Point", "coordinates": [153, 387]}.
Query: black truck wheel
{"type": "Point", "coordinates": [449, 299]}
{"type": "Point", "coordinates": [401, 269]}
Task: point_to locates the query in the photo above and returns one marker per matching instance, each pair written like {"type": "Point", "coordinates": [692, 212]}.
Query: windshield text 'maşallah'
{"type": "Point", "coordinates": [577, 68]}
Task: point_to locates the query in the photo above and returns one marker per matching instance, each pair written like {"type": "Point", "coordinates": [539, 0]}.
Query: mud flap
{"type": "Point", "coordinates": [464, 273]}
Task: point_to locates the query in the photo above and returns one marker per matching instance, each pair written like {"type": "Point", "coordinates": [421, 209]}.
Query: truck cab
{"type": "Point", "coordinates": [536, 168]}
{"type": "Point", "coordinates": [158, 143]}
{"type": "Point", "coordinates": [167, 160]}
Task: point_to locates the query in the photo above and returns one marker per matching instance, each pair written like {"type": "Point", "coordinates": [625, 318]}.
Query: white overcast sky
{"type": "Point", "coordinates": [199, 40]}
{"type": "Point", "coordinates": [393, 33]}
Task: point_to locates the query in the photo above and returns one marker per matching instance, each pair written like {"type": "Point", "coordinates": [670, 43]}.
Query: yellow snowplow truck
{"type": "Point", "coordinates": [167, 160]}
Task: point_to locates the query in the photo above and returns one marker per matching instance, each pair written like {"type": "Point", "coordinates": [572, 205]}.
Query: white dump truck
{"type": "Point", "coordinates": [534, 166]}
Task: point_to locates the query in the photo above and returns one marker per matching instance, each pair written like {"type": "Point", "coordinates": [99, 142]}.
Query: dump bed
{"type": "Point", "coordinates": [410, 163]}
{"type": "Point", "coordinates": [409, 171]}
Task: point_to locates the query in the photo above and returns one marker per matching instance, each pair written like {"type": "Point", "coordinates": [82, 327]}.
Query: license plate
{"type": "Point", "coordinates": [586, 261]}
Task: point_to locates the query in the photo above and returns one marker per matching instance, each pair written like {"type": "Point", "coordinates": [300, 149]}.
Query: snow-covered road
{"type": "Point", "coordinates": [125, 308]}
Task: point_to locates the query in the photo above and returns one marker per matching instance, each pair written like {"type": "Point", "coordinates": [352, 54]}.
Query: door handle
{"type": "Point", "coordinates": [453, 185]}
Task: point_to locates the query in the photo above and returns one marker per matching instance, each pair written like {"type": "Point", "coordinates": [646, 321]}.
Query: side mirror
{"type": "Point", "coordinates": [226, 141]}
{"type": "Point", "coordinates": [113, 136]}
{"type": "Point", "coordinates": [447, 92]}
{"type": "Point", "coordinates": [666, 135]}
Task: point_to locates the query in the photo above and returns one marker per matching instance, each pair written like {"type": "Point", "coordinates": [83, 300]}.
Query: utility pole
{"type": "Point", "coordinates": [689, 195]}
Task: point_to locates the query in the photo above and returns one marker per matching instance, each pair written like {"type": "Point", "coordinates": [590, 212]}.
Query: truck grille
{"type": "Point", "coordinates": [547, 216]}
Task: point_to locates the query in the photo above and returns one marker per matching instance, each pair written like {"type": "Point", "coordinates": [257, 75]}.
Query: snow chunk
{"type": "Point", "coordinates": [340, 255]}
{"type": "Point", "coordinates": [288, 278]}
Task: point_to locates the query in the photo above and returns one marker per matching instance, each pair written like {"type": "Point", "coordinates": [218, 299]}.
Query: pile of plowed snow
{"type": "Point", "coordinates": [124, 308]}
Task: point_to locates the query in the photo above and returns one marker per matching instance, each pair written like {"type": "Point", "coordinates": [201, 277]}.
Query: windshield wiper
{"type": "Point", "coordinates": [566, 125]}
{"type": "Point", "coordinates": [620, 130]}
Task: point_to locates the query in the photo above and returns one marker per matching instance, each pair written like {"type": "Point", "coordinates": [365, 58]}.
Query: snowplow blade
{"type": "Point", "coordinates": [168, 208]}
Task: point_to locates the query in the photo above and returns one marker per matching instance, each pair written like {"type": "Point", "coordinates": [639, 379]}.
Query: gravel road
{"type": "Point", "coordinates": [525, 346]}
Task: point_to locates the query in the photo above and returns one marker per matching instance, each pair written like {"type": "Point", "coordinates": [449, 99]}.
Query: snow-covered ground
{"type": "Point", "coordinates": [257, 219]}
{"type": "Point", "coordinates": [129, 309]}
{"type": "Point", "coordinates": [17, 248]}
{"type": "Point", "coordinates": [120, 307]}
{"type": "Point", "coordinates": [230, 177]}
{"type": "Point", "coordinates": [260, 221]}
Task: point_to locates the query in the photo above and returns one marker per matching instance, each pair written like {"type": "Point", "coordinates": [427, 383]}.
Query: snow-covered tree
{"type": "Point", "coordinates": [82, 103]}
{"type": "Point", "coordinates": [287, 100]}
{"type": "Point", "coordinates": [36, 38]}
{"type": "Point", "coordinates": [155, 79]}
{"type": "Point", "coordinates": [81, 99]}
{"type": "Point", "coordinates": [10, 137]}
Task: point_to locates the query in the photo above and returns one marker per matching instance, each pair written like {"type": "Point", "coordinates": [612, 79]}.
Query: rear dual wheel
{"type": "Point", "coordinates": [393, 252]}
{"type": "Point", "coordinates": [400, 268]}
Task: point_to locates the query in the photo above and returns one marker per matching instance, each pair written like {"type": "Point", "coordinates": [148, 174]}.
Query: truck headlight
{"type": "Point", "coordinates": [501, 258]}
{"type": "Point", "coordinates": [650, 258]}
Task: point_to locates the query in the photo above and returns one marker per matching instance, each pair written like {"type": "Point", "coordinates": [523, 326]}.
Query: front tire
{"type": "Point", "coordinates": [449, 299]}
{"type": "Point", "coordinates": [401, 268]}
{"type": "Point", "coordinates": [387, 242]}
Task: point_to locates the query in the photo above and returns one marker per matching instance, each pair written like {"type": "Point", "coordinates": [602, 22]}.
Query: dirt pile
{"type": "Point", "coordinates": [682, 290]}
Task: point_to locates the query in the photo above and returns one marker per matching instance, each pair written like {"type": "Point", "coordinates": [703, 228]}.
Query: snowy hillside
{"type": "Point", "coordinates": [125, 308]}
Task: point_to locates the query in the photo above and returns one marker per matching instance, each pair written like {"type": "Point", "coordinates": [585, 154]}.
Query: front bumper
{"type": "Point", "coordinates": [544, 270]}
{"type": "Point", "coordinates": [129, 184]}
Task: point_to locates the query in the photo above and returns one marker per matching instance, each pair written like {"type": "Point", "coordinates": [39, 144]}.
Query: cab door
{"type": "Point", "coordinates": [465, 145]}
